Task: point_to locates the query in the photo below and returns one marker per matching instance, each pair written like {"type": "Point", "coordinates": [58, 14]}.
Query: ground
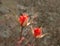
{"type": "Point", "coordinates": [48, 12]}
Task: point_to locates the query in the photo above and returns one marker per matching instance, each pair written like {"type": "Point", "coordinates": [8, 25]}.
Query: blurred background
{"type": "Point", "coordinates": [48, 12]}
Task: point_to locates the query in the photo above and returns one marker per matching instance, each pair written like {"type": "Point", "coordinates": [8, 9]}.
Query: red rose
{"type": "Point", "coordinates": [23, 19]}
{"type": "Point", "coordinates": [37, 32]}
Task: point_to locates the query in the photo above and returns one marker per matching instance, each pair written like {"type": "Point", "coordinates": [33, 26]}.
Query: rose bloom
{"type": "Point", "coordinates": [23, 19]}
{"type": "Point", "coordinates": [37, 32]}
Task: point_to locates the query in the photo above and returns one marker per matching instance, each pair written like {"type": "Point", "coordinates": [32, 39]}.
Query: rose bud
{"type": "Point", "coordinates": [37, 32]}
{"type": "Point", "coordinates": [23, 19]}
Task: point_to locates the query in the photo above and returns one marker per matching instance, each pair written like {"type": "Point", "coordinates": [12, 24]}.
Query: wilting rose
{"type": "Point", "coordinates": [23, 19]}
{"type": "Point", "coordinates": [37, 32]}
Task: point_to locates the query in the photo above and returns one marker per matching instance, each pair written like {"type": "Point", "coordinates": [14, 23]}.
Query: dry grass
{"type": "Point", "coordinates": [48, 12]}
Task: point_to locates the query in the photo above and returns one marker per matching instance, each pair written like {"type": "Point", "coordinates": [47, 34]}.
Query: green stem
{"type": "Point", "coordinates": [36, 42]}
{"type": "Point", "coordinates": [21, 32]}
